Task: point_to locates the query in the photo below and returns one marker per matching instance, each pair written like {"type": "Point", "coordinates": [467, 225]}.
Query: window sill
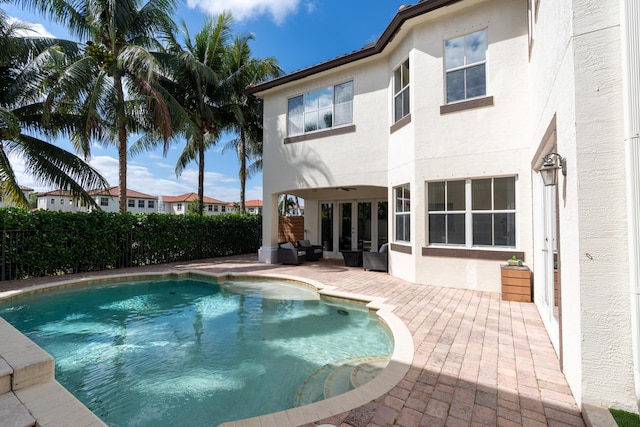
{"type": "Point", "coordinates": [486, 101]}
{"type": "Point", "coordinates": [320, 134]}
{"type": "Point", "coordinates": [400, 248]}
{"type": "Point", "coordinates": [400, 123]}
{"type": "Point", "coordinates": [484, 254]}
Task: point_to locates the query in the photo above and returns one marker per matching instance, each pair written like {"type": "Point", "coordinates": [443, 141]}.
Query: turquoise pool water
{"type": "Point", "coordinates": [197, 352]}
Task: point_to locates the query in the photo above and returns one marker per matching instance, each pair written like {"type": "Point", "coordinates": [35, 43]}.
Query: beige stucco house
{"type": "Point", "coordinates": [433, 139]}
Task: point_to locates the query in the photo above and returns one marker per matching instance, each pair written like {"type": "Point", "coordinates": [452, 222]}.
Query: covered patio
{"type": "Point", "coordinates": [478, 361]}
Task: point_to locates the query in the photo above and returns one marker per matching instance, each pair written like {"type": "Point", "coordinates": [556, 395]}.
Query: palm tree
{"type": "Point", "coordinates": [247, 122]}
{"type": "Point", "coordinates": [112, 86]}
{"type": "Point", "coordinates": [193, 84]}
{"type": "Point", "coordinates": [27, 66]}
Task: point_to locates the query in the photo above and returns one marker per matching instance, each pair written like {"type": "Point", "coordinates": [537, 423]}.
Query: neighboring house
{"type": "Point", "coordinates": [59, 200]}
{"type": "Point", "coordinates": [136, 202]}
{"type": "Point", "coordinates": [253, 207]}
{"type": "Point", "coordinates": [6, 204]}
{"type": "Point", "coordinates": [179, 204]}
{"type": "Point", "coordinates": [434, 137]}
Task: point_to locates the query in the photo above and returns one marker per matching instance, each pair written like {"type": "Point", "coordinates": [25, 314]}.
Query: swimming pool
{"type": "Point", "coordinates": [201, 352]}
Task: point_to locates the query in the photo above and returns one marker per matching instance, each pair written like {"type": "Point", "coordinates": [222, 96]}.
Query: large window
{"type": "Point", "coordinates": [331, 106]}
{"type": "Point", "coordinates": [402, 197]}
{"type": "Point", "coordinates": [473, 212]}
{"type": "Point", "coordinates": [131, 203]}
{"type": "Point", "coordinates": [401, 102]}
{"type": "Point", "coordinates": [465, 62]}
{"type": "Point", "coordinates": [151, 204]}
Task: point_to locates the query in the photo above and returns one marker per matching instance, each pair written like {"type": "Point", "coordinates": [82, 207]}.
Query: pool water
{"type": "Point", "coordinates": [193, 352]}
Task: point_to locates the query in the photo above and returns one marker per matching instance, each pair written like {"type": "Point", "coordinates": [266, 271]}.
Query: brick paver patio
{"type": "Point", "coordinates": [478, 361]}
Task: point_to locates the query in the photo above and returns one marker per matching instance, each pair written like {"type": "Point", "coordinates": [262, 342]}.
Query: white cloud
{"type": "Point", "coordinates": [248, 9]}
{"type": "Point", "coordinates": [35, 30]}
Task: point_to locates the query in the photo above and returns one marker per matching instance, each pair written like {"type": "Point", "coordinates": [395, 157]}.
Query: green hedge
{"type": "Point", "coordinates": [42, 243]}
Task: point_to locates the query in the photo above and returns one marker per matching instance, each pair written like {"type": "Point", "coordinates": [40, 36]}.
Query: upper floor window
{"type": "Point", "coordinates": [401, 102]}
{"type": "Point", "coordinates": [151, 204]}
{"type": "Point", "coordinates": [179, 207]}
{"type": "Point", "coordinates": [210, 208]}
{"type": "Point", "coordinates": [53, 201]}
{"type": "Point", "coordinates": [465, 61]}
{"type": "Point", "coordinates": [402, 196]}
{"type": "Point", "coordinates": [224, 208]}
{"type": "Point", "coordinates": [215, 208]}
{"type": "Point", "coordinates": [323, 108]}
{"type": "Point", "coordinates": [104, 201]}
{"type": "Point", "coordinates": [473, 212]}
{"type": "Point", "coordinates": [131, 203]}
{"type": "Point", "coordinates": [141, 203]}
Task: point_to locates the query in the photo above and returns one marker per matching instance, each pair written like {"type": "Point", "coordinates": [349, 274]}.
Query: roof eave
{"type": "Point", "coordinates": [387, 36]}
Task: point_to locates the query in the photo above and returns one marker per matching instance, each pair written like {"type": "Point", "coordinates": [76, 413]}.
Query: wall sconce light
{"type": "Point", "coordinates": [549, 170]}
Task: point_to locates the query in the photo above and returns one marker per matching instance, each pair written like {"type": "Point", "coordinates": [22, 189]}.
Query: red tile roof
{"type": "Point", "coordinates": [114, 192]}
{"type": "Point", "coordinates": [190, 197]}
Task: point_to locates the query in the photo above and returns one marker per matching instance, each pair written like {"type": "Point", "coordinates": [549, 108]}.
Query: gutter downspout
{"type": "Point", "coordinates": [630, 44]}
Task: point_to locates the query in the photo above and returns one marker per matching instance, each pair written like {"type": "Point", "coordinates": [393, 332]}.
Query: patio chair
{"type": "Point", "coordinates": [313, 252]}
{"type": "Point", "coordinates": [378, 261]}
{"type": "Point", "coordinates": [289, 254]}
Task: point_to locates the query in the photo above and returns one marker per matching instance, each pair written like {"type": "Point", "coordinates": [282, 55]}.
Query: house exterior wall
{"type": "Point", "coordinates": [580, 85]}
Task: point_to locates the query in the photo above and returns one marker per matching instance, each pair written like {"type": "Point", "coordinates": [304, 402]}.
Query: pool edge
{"type": "Point", "coordinates": [395, 371]}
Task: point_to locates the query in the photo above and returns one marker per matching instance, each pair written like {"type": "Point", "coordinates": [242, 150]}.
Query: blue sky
{"type": "Point", "coordinates": [298, 33]}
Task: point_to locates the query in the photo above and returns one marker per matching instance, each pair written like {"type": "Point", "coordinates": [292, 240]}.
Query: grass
{"type": "Point", "coordinates": [625, 419]}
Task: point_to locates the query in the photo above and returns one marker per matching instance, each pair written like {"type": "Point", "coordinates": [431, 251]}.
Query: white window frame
{"type": "Point", "coordinates": [401, 90]}
{"type": "Point", "coordinates": [402, 211]}
{"type": "Point", "coordinates": [131, 203]}
{"type": "Point", "coordinates": [104, 201]}
{"type": "Point", "coordinates": [465, 66]}
{"type": "Point", "coordinates": [53, 201]}
{"type": "Point", "coordinates": [179, 207]}
{"type": "Point", "coordinates": [151, 204]}
{"type": "Point", "coordinates": [140, 203]}
{"type": "Point", "coordinates": [304, 113]}
{"type": "Point", "coordinates": [469, 213]}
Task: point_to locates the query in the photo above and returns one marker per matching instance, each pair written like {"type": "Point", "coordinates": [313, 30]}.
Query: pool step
{"type": "Point", "coordinates": [339, 377]}
{"type": "Point", "coordinates": [29, 394]}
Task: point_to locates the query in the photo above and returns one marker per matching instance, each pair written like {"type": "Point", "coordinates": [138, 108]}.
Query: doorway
{"type": "Point", "coordinates": [354, 224]}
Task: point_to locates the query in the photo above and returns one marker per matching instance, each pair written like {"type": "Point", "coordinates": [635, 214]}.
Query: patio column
{"type": "Point", "coordinates": [268, 252]}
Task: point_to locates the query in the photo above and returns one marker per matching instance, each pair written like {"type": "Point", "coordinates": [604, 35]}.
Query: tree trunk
{"type": "Point", "coordinates": [200, 176]}
{"type": "Point", "coordinates": [243, 170]}
{"type": "Point", "coordinates": [122, 142]}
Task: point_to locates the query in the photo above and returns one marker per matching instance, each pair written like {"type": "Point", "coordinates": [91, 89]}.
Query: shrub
{"type": "Point", "coordinates": [44, 243]}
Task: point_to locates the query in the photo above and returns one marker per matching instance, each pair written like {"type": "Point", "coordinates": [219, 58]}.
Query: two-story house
{"type": "Point", "coordinates": [137, 202]}
{"type": "Point", "coordinates": [436, 138]}
{"type": "Point", "coordinates": [179, 205]}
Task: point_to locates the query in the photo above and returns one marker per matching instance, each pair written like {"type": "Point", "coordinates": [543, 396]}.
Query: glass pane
{"type": "Point", "coordinates": [454, 53]}
{"type": "Point", "coordinates": [476, 81]}
{"type": "Point", "coordinates": [397, 80]}
{"type": "Point", "coordinates": [482, 229]}
{"type": "Point", "coordinates": [364, 226]}
{"type": "Point", "coordinates": [344, 114]}
{"type": "Point", "coordinates": [455, 86]}
{"type": "Point", "coordinates": [504, 230]}
{"type": "Point", "coordinates": [437, 226]}
{"type": "Point", "coordinates": [327, 226]}
{"type": "Point", "coordinates": [504, 190]}
{"type": "Point", "coordinates": [405, 73]}
{"type": "Point", "coordinates": [326, 116]}
{"type": "Point", "coordinates": [405, 102]}
{"type": "Point", "coordinates": [344, 93]}
{"type": "Point", "coordinates": [407, 199]}
{"type": "Point", "coordinates": [435, 196]}
{"type": "Point", "coordinates": [399, 228]}
{"type": "Point", "coordinates": [295, 105]}
{"type": "Point", "coordinates": [399, 202]}
{"type": "Point", "coordinates": [311, 121]}
{"type": "Point", "coordinates": [325, 97]}
{"type": "Point", "coordinates": [345, 226]}
{"type": "Point", "coordinates": [294, 125]}
{"type": "Point", "coordinates": [481, 194]}
{"type": "Point", "coordinates": [383, 226]}
{"type": "Point", "coordinates": [455, 196]}
{"type": "Point", "coordinates": [455, 229]}
{"type": "Point", "coordinates": [311, 101]}
{"type": "Point", "coordinates": [398, 108]}
{"type": "Point", "coordinates": [476, 47]}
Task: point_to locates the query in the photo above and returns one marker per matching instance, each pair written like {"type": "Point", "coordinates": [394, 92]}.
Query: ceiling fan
{"type": "Point", "coordinates": [346, 188]}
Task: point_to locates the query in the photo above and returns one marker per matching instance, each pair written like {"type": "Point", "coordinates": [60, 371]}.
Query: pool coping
{"type": "Point", "coordinates": [390, 376]}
